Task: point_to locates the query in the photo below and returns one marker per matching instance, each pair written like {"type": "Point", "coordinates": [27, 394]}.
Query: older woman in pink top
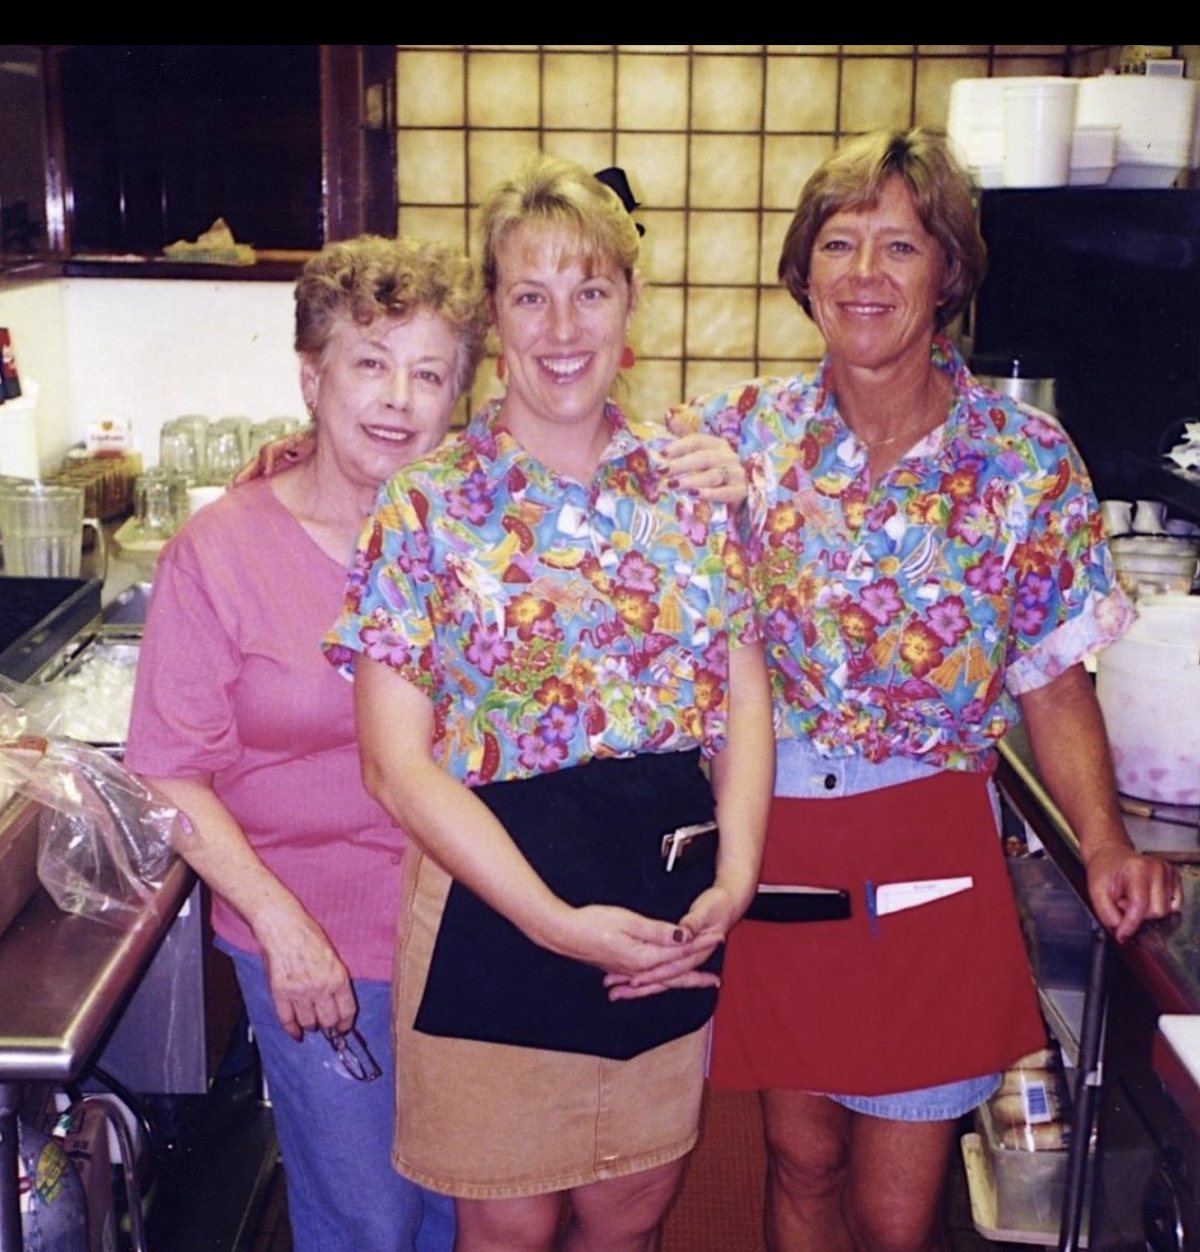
{"type": "Point", "coordinates": [241, 722]}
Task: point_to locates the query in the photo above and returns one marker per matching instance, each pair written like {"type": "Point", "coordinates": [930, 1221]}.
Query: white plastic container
{"type": "Point", "coordinates": [1156, 117]}
{"type": "Point", "coordinates": [975, 126]}
{"type": "Point", "coordinates": [1147, 564]}
{"type": "Point", "coordinates": [1093, 150]}
{"type": "Point", "coordinates": [18, 434]}
{"type": "Point", "coordinates": [1039, 125]}
{"type": "Point", "coordinates": [1148, 684]}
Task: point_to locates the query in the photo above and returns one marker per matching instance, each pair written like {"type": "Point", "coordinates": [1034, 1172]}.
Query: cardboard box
{"type": "Point", "coordinates": [86, 1143]}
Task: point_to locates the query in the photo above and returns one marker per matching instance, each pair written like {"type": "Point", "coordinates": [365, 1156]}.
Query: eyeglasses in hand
{"type": "Point", "coordinates": [355, 1056]}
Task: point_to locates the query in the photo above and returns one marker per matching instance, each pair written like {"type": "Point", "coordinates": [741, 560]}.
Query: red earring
{"type": "Point", "coordinates": [628, 357]}
{"type": "Point", "coordinates": [501, 367]}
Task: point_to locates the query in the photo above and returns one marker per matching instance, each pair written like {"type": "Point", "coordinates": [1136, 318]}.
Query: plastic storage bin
{"type": "Point", "coordinates": [1029, 1186]}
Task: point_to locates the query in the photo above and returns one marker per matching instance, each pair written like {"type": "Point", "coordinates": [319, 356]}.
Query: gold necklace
{"type": "Point", "coordinates": [881, 443]}
{"type": "Point", "coordinates": [919, 431]}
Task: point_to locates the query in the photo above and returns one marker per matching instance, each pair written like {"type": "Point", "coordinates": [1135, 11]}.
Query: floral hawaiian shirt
{"type": "Point", "coordinates": [549, 621]}
{"type": "Point", "coordinates": [902, 617]}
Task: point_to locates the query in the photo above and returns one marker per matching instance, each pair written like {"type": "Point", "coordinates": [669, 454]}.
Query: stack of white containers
{"type": "Point", "coordinates": [1157, 122]}
{"type": "Point", "coordinates": [976, 127]}
{"type": "Point", "coordinates": [1120, 131]}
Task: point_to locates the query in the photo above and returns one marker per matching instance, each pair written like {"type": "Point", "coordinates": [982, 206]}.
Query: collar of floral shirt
{"type": "Point", "coordinates": [502, 454]}
{"type": "Point", "coordinates": [938, 445]}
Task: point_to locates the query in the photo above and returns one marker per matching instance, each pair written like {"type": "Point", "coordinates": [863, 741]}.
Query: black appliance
{"type": "Point", "coordinates": [38, 616]}
{"type": "Point", "coordinates": [1104, 288]}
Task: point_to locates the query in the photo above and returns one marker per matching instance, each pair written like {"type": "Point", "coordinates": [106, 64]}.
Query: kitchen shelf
{"type": "Point", "coordinates": [1174, 486]}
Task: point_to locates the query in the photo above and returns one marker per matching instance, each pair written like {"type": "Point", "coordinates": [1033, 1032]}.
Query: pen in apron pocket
{"type": "Point", "coordinates": [894, 897]}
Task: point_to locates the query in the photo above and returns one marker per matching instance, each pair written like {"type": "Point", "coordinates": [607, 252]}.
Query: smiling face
{"type": "Point", "coordinates": [382, 394]}
{"type": "Point", "coordinates": [561, 325]}
{"type": "Point", "coordinates": [875, 281]}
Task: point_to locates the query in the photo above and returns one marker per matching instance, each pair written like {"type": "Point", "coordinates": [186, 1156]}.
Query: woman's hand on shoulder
{"type": "Point", "coordinates": [1128, 888]}
{"type": "Point", "coordinates": [705, 464]}
{"type": "Point", "coordinates": [278, 455]}
{"type": "Point", "coordinates": [309, 983]}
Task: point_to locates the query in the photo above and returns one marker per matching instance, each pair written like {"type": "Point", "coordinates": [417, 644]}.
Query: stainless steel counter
{"type": "Point", "coordinates": [1165, 954]}
{"type": "Point", "coordinates": [63, 979]}
{"type": "Point", "coordinates": [1146, 1178]}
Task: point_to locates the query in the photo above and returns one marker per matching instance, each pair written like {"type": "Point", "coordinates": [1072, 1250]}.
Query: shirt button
{"type": "Point", "coordinates": [830, 782]}
{"type": "Point", "coordinates": [394, 858]}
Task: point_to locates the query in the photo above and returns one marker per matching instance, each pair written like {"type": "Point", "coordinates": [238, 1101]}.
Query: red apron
{"type": "Point", "coordinates": [929, 995]}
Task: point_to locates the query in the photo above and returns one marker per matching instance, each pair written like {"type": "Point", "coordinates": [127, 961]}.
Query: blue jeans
{"type": "Point", "coordinates": [335, 1133]}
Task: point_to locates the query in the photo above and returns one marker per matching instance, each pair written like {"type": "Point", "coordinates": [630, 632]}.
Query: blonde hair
{"type": "Point", "coordinates": [559, 193]}
{"type": "Point", "coordinates": [371, 277]}
{"type": "Point", "coordinates": [852, 179]}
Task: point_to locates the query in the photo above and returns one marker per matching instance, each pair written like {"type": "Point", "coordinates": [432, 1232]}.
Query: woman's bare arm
{"type": "Point", "coordinates": [1066, 731]}
{"type": "Point", "coordinates": [309, 984]}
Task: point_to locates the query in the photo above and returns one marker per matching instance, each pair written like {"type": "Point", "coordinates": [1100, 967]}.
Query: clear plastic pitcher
{"type": "Point", "coordinates": [42, 528]}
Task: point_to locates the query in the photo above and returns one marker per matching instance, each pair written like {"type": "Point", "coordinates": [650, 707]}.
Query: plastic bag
{"type": "Point", "coordinates": [105, 838]}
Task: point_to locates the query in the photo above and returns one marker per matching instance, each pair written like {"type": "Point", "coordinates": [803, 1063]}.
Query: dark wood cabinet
{"type": "Point", "coordinates": [145, 144]}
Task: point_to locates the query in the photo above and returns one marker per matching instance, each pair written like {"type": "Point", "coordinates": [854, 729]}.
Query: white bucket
{"type": "Point", "coordinates": [18, 434]}
{"type": "Point", "coordinates": [1148, 684]}
{"type": "Point", "coordinates": [1039, 126]}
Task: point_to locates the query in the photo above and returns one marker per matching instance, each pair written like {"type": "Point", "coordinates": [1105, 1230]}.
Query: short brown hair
{"type": "Point", "coordinates": [371, 277]}
{"type": "Point", "coordinates": [852, 179]}
{"type": "Point", "coordinates": [559, 193]}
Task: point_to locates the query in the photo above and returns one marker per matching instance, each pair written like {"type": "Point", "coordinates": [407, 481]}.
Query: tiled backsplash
{"type": "Point", "coordinates": [717, 140]}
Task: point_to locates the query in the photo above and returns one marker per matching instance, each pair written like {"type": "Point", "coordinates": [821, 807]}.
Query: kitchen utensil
{"type": "Point", "coordinates": [266, 432]}
{"type": "Point", "coordinates": [224, 453]}
{"type": "Point", "coordinates": [181, 447]}
{"type": "Point", "coordinates": [1024, 376]}
{"type": "Point", "coordinates": [160, 503]}
{"type": "Point", "coordinates": [1117, 516]}
{"type": "Point", "coordinates": [1149, 517]}
{"type": "Point", "coordinates": [1174, 814]}
{"type": "Point", "coordinates": [43, 529]}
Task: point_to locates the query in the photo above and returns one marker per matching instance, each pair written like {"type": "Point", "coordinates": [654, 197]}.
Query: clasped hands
{"type": "Point", "coordinates": [642, 956]}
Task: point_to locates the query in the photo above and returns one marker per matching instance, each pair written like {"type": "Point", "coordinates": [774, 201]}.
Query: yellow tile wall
{"type": "Point", "coordinates": [717, 140]}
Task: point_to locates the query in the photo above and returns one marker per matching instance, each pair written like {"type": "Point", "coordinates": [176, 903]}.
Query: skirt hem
{"type": "Point", "coordinates": [545, 1186]}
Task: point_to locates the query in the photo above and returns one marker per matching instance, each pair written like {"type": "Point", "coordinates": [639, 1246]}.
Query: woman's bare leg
{"type": "Point", "coordinates": [847, 1182]}
{"type": "Point", "coordinates": [622, 1214]}
{"type": "Point", "coordinates": [808, 1151]}
{"type": "Point", "coordinates": [893, 1199]}
{"type": "Point", "coordinates": [524, 1224]}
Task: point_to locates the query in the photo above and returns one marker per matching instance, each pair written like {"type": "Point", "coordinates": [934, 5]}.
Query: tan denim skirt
{"type": "Point", "coordinates": [489, 1121]}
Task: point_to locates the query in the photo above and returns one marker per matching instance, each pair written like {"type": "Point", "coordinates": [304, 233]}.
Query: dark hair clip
{"type": "Point", "coordinates": [615, 179]}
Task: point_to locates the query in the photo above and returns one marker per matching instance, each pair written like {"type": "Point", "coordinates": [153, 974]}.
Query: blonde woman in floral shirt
{"type": "Point", "coordinates": [928, 565]}
{"type": "Point", "coordinates": [546, 638]}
